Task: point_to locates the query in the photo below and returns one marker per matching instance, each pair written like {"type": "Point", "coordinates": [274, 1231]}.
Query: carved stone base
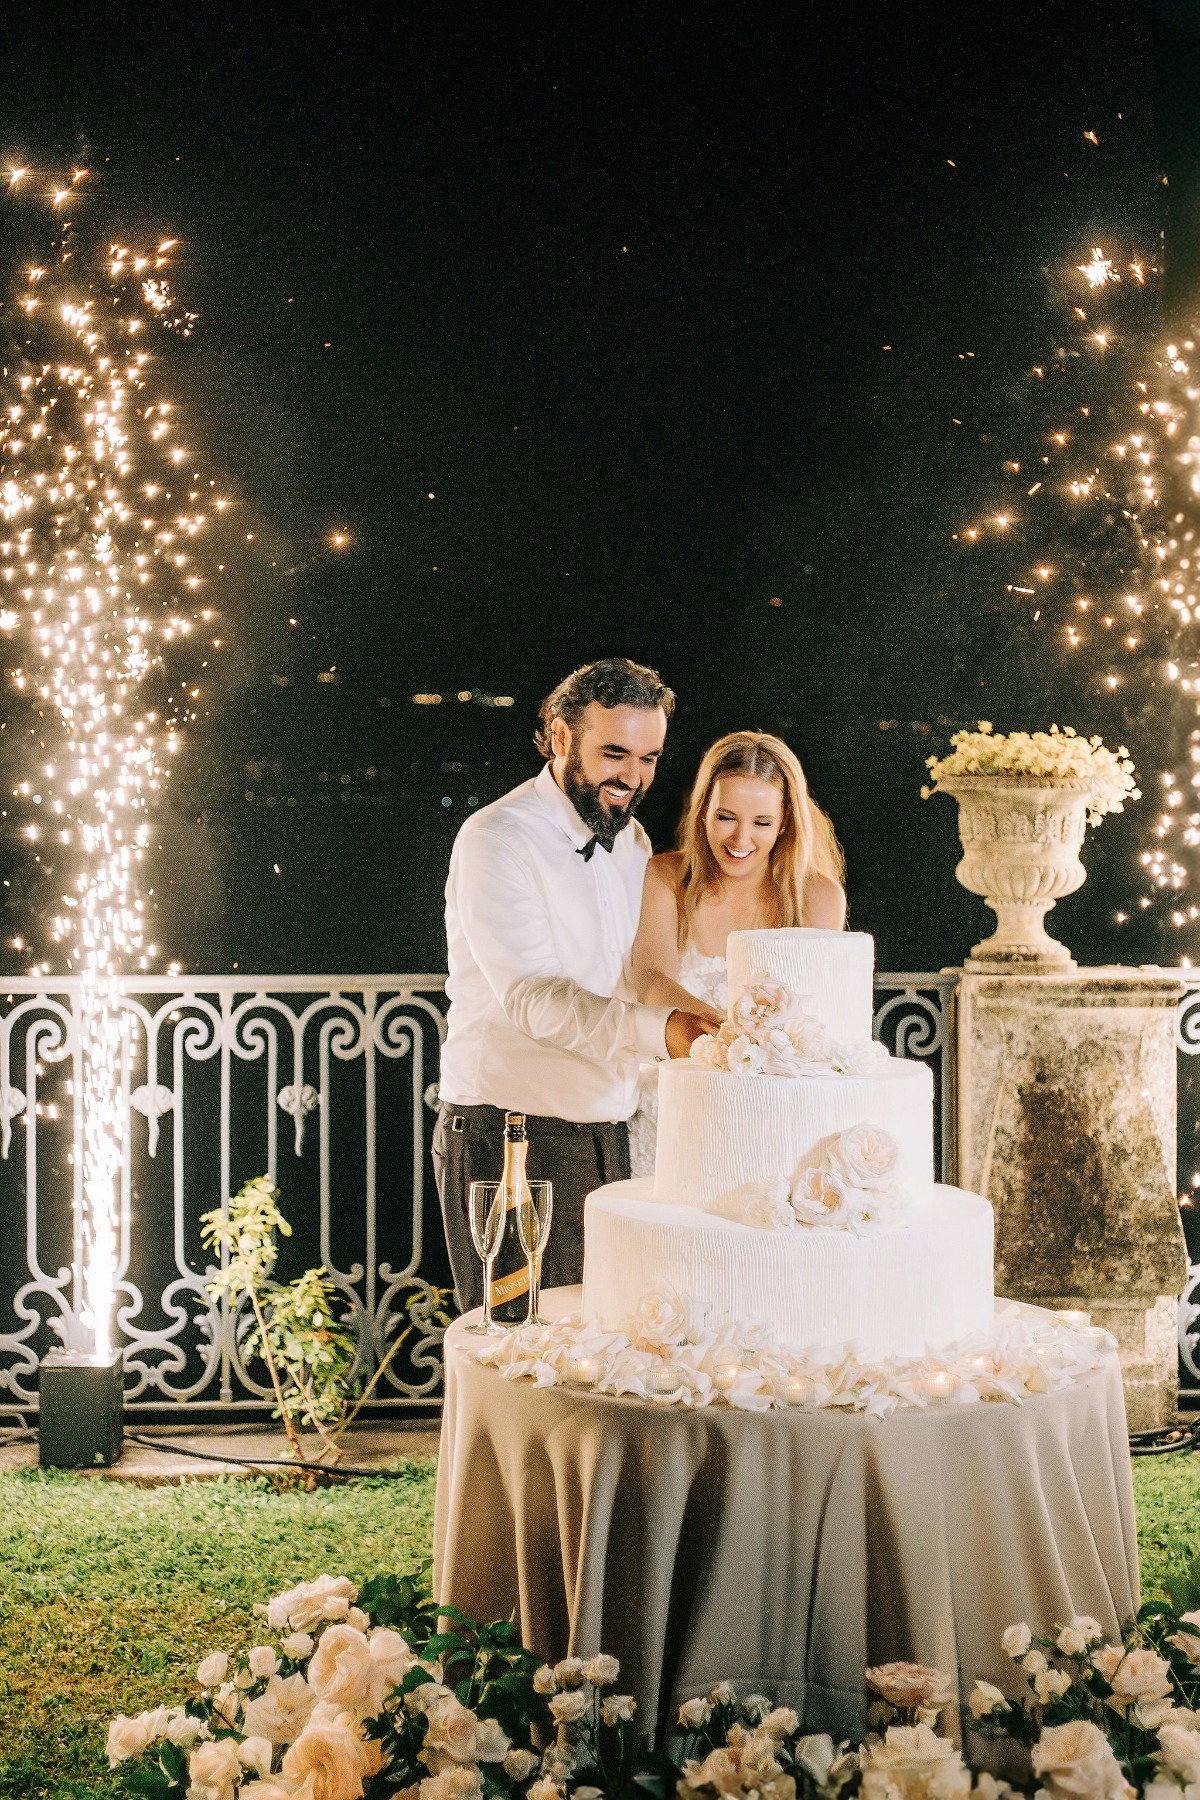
{"type": "Point", "coordinates": [1066, 1121]}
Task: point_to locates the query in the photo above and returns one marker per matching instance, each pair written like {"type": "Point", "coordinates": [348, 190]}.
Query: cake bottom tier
{"type": "Point", "coordinates": [892, 1292]}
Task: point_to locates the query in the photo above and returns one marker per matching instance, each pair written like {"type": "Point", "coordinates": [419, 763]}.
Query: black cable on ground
{"type": "Point", "coordinates": [263, 1462]}
{"type": "Point", "coordinates": [1166, 1440]}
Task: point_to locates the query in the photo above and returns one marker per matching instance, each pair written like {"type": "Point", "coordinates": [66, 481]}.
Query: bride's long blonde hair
{"type": "Point", "coordinates": [806, 844]}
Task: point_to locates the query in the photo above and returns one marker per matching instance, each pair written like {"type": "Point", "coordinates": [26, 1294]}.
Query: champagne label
{"type": "Point", "coordinates": [510, 1287]}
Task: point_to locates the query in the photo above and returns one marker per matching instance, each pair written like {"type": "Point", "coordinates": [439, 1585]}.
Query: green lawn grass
{"type": "Point", "coordinates": [110, 1595]}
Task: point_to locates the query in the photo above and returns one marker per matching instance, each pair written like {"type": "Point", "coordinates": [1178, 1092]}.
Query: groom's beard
{"type": "Point", "coordinates": [585, 798]}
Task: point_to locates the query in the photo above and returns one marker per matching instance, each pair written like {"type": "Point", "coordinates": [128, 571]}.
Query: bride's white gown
{"type": "Point", "coordinates": [708, 978]}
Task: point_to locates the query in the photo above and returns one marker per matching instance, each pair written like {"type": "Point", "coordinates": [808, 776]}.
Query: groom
{"type": "Point", "coordinates": [542, 905]}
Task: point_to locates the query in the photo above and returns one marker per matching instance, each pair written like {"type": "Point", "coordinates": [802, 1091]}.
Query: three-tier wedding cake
{"type": "Point", "coordinates": [794, 1182]}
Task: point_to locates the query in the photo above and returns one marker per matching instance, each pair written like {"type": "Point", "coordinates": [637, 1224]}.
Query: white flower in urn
{"type": "Point", "coordinates": [865, 1156]}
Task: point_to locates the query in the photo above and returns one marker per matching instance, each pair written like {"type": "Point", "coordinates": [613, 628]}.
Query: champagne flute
{"type": "Point", "coordinates": [535, 1208]}
{"type": "Point", "coordinates": [487, 1205]}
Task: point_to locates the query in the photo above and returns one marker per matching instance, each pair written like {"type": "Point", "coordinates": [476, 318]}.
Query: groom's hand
{"type": "Point", "coordinates": [683, 1028]}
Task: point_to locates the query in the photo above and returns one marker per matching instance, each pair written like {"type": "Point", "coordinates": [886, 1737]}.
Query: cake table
{"type": "Point", "coordinates": [784, 1550]}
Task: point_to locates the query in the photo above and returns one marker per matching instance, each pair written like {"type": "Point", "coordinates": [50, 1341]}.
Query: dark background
{"type": "Point", "coordinates": [614, 285]}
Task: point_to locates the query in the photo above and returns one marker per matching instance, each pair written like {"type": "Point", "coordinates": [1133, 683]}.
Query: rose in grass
{"type": "Point", "coordinates": [1076, 1762]}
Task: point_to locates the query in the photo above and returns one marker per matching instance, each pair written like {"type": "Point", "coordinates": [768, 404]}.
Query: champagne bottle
{"type": "Point", "coordinates": [510, 1272]}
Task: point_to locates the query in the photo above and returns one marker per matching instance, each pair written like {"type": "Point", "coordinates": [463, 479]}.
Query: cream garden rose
{"type": "Point", "coordinates": [1076, 1762]}
{"type": "Point", "coordinates": [282, 1710]}
{"type": "Point", "coordinates": [332, 1755]}
{"type": "Point", "coordinates": [214, 1770]}
{"type": "Point", "coordinates": [913, 1763]}
{"type": "Point", "coordinates": [911, 1685]}
{"type": "Point", "coordinates": [865, 1156]}
{"type": "Point", "coordinates": [311, 1602]}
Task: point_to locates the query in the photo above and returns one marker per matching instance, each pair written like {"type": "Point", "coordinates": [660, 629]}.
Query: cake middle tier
{"type": "Point", "coordinates": [718, 1132]}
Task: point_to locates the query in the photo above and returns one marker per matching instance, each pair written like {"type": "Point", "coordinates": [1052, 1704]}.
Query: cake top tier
{"type": "Point", "coordinates": [833, 969]}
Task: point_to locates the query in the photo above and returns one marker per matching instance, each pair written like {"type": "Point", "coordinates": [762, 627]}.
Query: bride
{"type": "Point", "coordinates": [754, 851]}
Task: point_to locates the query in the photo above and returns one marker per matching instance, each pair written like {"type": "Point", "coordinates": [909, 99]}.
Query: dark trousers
{"type": "Point", "coordinates": [468, 1145]}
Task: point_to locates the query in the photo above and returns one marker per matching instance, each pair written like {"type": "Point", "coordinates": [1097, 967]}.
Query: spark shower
{"type": "Point", "coordinates": [105, 602]}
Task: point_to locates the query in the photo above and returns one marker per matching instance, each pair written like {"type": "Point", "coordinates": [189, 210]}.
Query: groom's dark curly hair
{"type": "Point", "coordinates": [614, 681]}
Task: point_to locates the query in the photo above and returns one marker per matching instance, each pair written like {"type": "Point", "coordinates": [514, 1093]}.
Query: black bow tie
{"type": "Point", "coordinates": [587, 851]}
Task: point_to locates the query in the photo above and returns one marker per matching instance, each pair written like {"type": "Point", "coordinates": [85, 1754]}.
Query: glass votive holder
{"type": "Point", "coordinates": [725, 1372]}
{"type": "Point", "coordinates": [941, 1386]}
{"type": "Point", "coordinates": [662, 1383]}
{"type": "Point", "coordinates": [795, 1390]}
{"type": "Point", "coordinates": [1074, 1317]}
{"type": "Point", "coordinates": [583, 1370]}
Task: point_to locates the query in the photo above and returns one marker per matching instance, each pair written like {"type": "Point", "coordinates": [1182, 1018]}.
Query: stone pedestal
{"type": "Point", "coordinates": [1066, 1122]}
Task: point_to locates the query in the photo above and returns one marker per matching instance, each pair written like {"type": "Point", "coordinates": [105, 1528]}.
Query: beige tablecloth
{"type": "Point", "coordinates": [784, 1551]}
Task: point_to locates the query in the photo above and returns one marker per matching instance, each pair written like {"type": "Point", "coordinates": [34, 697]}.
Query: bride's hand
{"type": "Point", "coordinates": [683, 1028]}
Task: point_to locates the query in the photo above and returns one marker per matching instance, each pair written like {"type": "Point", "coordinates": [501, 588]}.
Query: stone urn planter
{"type": "Point", "coordinates": [1021, 836]}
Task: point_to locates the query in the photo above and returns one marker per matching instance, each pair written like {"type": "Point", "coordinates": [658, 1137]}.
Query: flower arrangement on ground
{"type": "Point", "coordinates": [1059, 754]}
{"type": "Point", "coordinates": [380, 1692]}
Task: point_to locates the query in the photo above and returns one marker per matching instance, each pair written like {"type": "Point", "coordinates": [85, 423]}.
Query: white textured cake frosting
{"type": "Point", "coordinates": [832, 970]}
{"type": "Point", "coordinates": [718, 1132]}
{"type": "Point", "coordinates": [793, 1182]}
{"type": "Point", "coordinates": [893, 1293]}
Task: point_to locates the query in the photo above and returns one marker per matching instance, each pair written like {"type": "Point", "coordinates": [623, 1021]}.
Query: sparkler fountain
{"type": "Point", "coordinates": [100, 507]}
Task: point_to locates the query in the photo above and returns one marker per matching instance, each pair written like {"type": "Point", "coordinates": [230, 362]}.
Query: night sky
{"type": "Point", "coordinates": [620, 330]}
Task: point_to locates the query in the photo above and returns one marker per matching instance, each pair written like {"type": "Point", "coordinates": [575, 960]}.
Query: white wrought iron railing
{"type": "Point", "coordinates": [327, 1083]}
{"type": "Point", "coordinates": [212, 1069]}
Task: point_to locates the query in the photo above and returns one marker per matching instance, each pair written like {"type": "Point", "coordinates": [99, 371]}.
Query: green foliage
{"type": "Point", "coordinates": [309, 1354]}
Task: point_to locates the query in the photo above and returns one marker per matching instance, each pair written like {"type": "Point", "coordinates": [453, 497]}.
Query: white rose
{"type": "Point", "coordinates": [816, 1756]}
{"type": "Point", "coordinates": [1108, 1659]}
{"type": "Point", "coordinates": [744, 1057]}
{"type": "Point", "coordinates": [297, 1645]}
{"type": "Point", "coordinates": [780, 1722]}
{"type": "Point", "coordinates": [275, 1788]}
{"type": "Point", "coordinates": [763, 1205]}
{"type": "Point", "coordinates": [694, 1714]}
{"type": "Point", "coordinates": [214, 1771]}
{"type": "Point", "coordinates": [451, 1728]}
{"type": "Point", "coordinates": [708, 1051]}
{"type": "Point", "coordinates": [158, 1721]}
{"type": "Point", "coordinates": [1015, 1641]}
{"type": "Point", "coordinates": [451, 1784]}
{"type": "Point", "coordinates": [1071, 1641]}
{"type": "Point", "coordinates": [1034, 1663]}
{"type": "Point", "coordinates": [281, 1711]}
{"type": "Point", "coordinates": [126, 1737]}
{"type": "Point", "coordinates": [569, 1706]}
{"type": "Point", "coordinates": [344, 1672]}
{"type": "Point", "coordinates": [1161, 1789]}
{"type": "Point", "coordinates": [211, 1672]}
{"type": "Point", "coordinates": [618, 1709]}
{"type": "Point", "coordinates": [911, 1685]}
{"type": "Point", "coordinates": [861, 1059]}
{"type": "Point", "coordinates": [723, 1694]}
{"type": "Point", "coordinates": [1051, 1684]}
{"type": "Point", "coordinates": [328, 1597]}
{"type": "Point", "coordinates": [1188, 1642]}
{"type": "Point", "coordinates": [520, 1764]}
{"type": "Point", "coordinates": [985, 1700]}
{"type": "Point", "coordinates": [1091, 1629]}
{"type": "Point", "coordinates": [809, 1039]}
{"type": "Point", "coordinates": [1075, 1762]}
{"type": "Point", "coordinates": [255, 1753]}
{"type": "Point", "coordinates": [820, 1198]}
{"type": "Point", "coordinates": [913, 1759]}
{"type": "Point", "coordinates": [601, 1670]}
{"type": "Point", "coordinates": [392, 1655]}
{"type": "Point", "coordinates": [491, 1743]}
{"type": "Point", "coordinates": [1141, 1675]}
{"type": "Point", "coordinates": [545, 1789]}
{"type": "Point", "coordinates": [334, 1757]}
{"type": "Point", "coordinates": [183, 1730]}
{"type": "Point", "coordinates": [865, 1156]}
{"type": "Point", "coordinates": [661, 1319]}
{"type": "Point", "coordinates": [1150, 1714]}
{"type": "Point", "coordinates": [1180, 1750]}
{"type": "Point", "coordinates": [543, 1680]}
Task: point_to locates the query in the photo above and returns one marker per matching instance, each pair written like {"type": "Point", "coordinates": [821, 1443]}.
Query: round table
{"type": "Point", "coordinates": [784, 1551]}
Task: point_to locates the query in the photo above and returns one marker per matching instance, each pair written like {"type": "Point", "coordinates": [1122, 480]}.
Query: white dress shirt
{"type": "Point", "coordinates": [538, 940]}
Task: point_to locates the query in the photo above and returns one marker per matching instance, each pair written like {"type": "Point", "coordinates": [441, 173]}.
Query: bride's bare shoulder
{"type": "Point", "coordinates": [665, 868]}
{"type": "Point", "coordinates": [824, 903]}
